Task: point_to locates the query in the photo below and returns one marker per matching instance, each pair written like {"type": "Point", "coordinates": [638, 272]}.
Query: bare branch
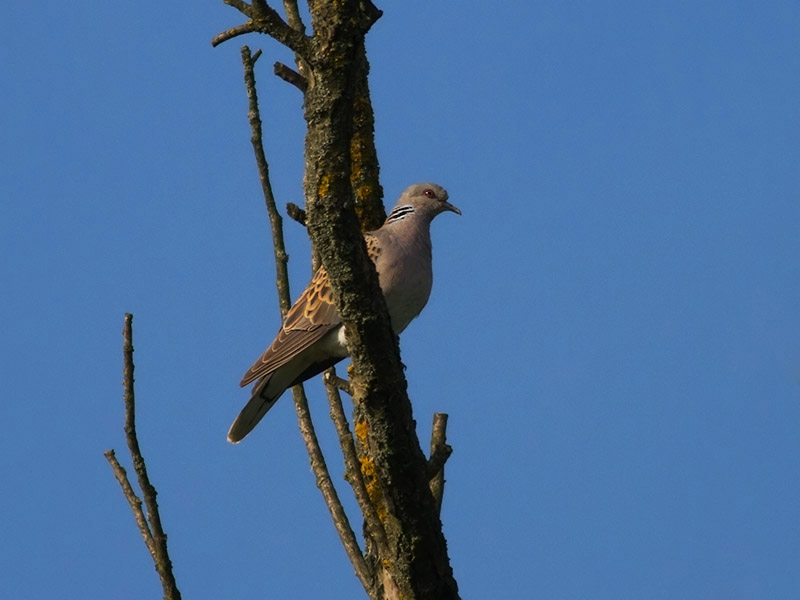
{"type": "Point", "coordinates": [352, 465]}
{"type": "Point", "coordinates": [296, 213]}
{"type": "Point", "coordinates": [157, 542]}
{"type": "Point", "coordinates": [133, 500]}
{"type": "Point", "coordinates": [293, 15]}
{"type": "Point", "coordinates": [242, 7]}
{"type": "Point", "coordinates": [325, 485]}
{"type": "Point", "coordinates": [289, 75]}
{"type": "Point", "coordinates": [275, 220]}
{"type": "Point", "coordinates": [229, 34]}
{"type": "Point", "coordinates": [440, 452]}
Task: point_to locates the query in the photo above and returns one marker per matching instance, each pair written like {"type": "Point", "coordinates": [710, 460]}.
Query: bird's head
{"type": "Point", "coordinates": [428, 199]}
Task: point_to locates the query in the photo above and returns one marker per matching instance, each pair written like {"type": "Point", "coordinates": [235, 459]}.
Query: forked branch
{"type": "Point", "coordinates": [265, 19]}
{"type": "Point", "coordinates": [150, 525]}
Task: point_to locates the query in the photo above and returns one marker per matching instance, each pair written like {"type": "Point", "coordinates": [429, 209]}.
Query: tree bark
{"type": "Point", "coordinates": [392, 461]}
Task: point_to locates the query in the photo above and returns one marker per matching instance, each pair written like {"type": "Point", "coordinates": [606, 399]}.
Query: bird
{"type": "Point", "coordinates": [311, 338]}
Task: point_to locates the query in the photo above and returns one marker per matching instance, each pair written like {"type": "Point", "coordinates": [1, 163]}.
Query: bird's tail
{"type": "Point", "coordinates": [263, 398]}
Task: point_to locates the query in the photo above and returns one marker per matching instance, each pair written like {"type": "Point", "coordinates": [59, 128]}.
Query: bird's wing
{"type": "Point", "coordinates": [312, 316]}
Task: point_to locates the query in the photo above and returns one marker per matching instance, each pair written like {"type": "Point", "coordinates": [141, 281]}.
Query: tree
{"type": "Point", "coordinates": [398, 490]}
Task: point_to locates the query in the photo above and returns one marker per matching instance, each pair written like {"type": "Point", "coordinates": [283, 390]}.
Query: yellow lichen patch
{"type": "Point", "coordinates": [361, 431]}
{"type": "Point", "coordinates": [373, 489]}
{"type": "Point", "coordinates": [367, 467]}
{"type": "Point", "coordinates": [365, 192]}
{"type": "Point", "coordinates": [357, 143]}
{"type": "Point", "coordinates": [324, 185]}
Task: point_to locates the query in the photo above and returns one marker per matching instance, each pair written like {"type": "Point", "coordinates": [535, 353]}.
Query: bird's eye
{"type": "Point", "coordinates": [429, 193]}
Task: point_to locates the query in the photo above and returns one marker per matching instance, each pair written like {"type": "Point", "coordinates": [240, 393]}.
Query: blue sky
{"type": "Point", "coordinates": [613, 328]}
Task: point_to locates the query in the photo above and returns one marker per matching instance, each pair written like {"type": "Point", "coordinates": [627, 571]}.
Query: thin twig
{"type": "Point", "coordinates": [158, 539]}
{"type": "Point", "coordinates": [289, 75]}
{"type": "Point", "coordinates": [275, 220]}
{"type": "Point", "coordinates": [440, 452]}
{"type": "Point", "coordinates": [133, 500]}
{"type": "Point", "coordinates": [352, 465]}
{"type": "Point", "coordinates": [325, 485]}
{"type": "Point", "coordinates": [296, 213]}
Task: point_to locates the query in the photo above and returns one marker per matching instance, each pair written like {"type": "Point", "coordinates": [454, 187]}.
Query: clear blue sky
{"type": "Point", "coordinates": [614, 328]}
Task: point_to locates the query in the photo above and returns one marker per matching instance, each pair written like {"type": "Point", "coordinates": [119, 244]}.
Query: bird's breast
{"type": "Point", "coordinates": [406, 285]}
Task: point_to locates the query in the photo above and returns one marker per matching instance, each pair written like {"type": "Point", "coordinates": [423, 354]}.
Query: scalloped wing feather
{"type": "Point", "coordinates": [312, 316]}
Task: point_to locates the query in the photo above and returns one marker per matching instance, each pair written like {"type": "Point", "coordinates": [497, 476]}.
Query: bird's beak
{"type": "Point", "coordinates": [450, 207]}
